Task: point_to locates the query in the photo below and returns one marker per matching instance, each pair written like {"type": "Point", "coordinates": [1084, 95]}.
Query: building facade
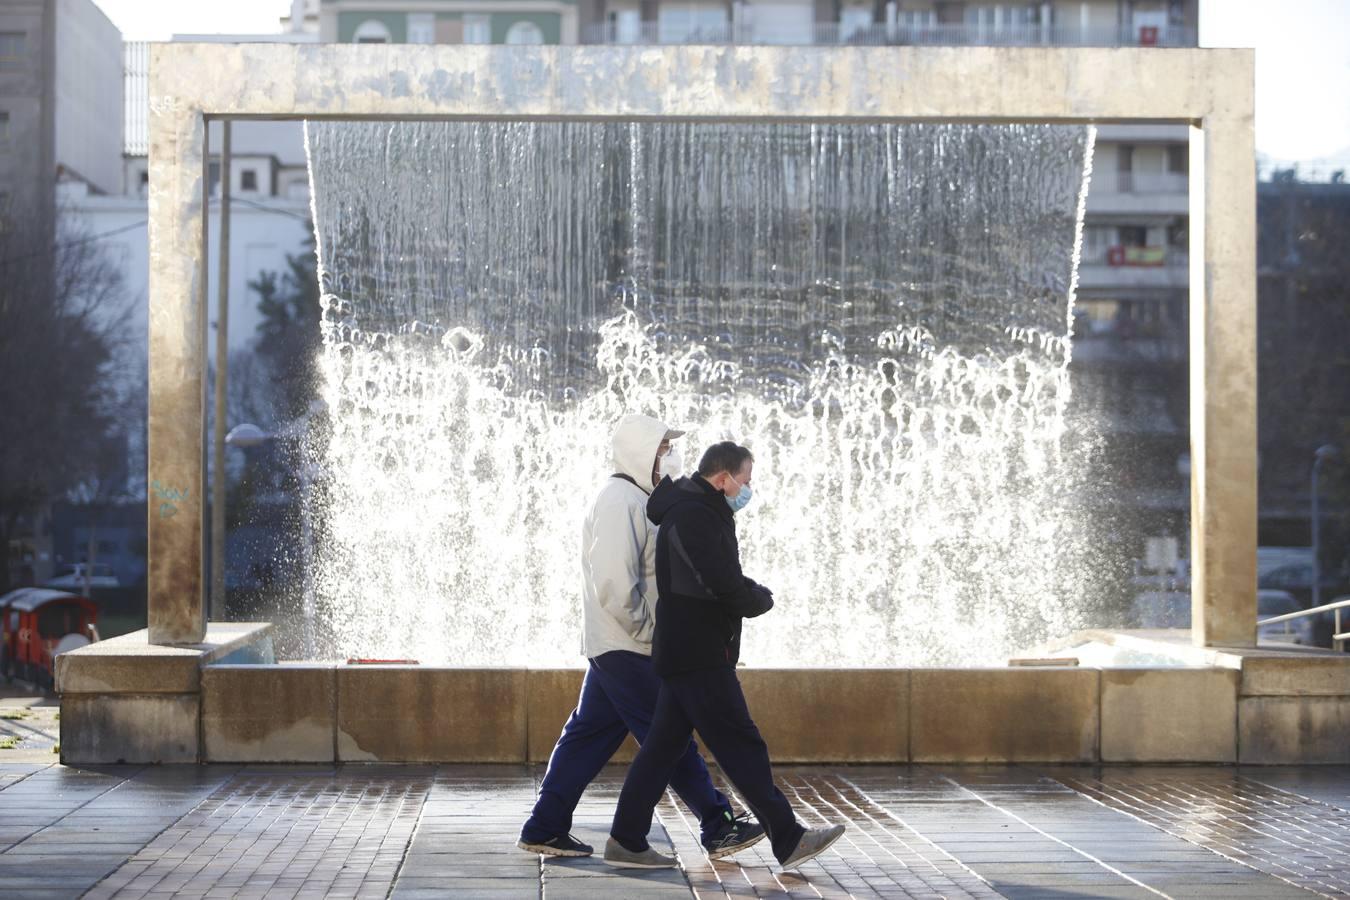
{"type": "Point", "coordinates": [60, 102]}
{"type": "Point", "coordinates": [60, 127]}
{"type": "Point", "coordinates": [450, 21]}
{"type": "Point", "coordinates": [1104, 23]}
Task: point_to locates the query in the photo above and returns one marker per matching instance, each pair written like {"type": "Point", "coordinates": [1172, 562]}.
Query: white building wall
{"type": "Point", "coordinates": [261, 236]}
{"type": "Point", "coordinates": [89, 111]}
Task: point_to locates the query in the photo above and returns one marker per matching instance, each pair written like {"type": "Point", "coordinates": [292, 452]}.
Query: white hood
{"type": "Point", "coordinates": [636, 439]}
{"type": "Point", "coordinates": [618, 547]}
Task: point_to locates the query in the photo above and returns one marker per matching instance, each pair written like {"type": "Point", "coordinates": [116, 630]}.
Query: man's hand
{"type": "Point", "coordinates": [760, 602]}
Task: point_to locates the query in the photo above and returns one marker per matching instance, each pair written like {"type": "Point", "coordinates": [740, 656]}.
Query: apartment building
{"type": "Point", "coordinates": [1105, 23]}
{"type": "Point", "coordinates": [450, 21]}
{"type": "Point", "coordinates": [60, 102]}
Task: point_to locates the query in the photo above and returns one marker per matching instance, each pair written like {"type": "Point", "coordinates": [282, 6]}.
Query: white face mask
{"type": "Point", "coordinates": [671, 465]}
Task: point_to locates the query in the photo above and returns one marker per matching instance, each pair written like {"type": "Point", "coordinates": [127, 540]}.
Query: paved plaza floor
{"type": "Point", "coordinates": [449, 831]}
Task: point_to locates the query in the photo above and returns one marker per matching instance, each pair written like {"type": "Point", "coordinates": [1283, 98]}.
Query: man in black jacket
{"type": "Point", "coordinates": [703, 596]}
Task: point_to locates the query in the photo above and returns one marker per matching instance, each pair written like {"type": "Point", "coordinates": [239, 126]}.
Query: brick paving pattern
{"type": "Point", "coordinates": [1297, 839]}
{"type": "Point", "coordinates": [295, 833]}
{"type": "Point", "coordinates": [410, 832]}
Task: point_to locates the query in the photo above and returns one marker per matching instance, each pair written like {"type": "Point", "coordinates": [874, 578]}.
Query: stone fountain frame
{"type": "Point", "coordinates": [1209, 90]}
{"type": "Point", "coordinates": [181, 691]}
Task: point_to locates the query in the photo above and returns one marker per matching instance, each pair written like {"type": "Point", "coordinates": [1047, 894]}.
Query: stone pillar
{"type": "Point", "coordinates": [1223, 369]}
{"type": "Point", "coordinates": [178, 180]}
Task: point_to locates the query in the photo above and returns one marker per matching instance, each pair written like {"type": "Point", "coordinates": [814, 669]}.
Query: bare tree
{"type": "Point", "coordinates": [61, 314]}
{"type": "Point", "coordinates": [289, 338]}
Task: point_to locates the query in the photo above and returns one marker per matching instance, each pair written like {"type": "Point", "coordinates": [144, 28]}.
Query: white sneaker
{"type": "Point", "coordinates": [622, 858]}
{"type": "Point", "coordinates": [813, 843]}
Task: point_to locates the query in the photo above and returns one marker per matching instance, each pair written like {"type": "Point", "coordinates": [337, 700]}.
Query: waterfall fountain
{"type": "Point", "coordinates": [919, 449]}
{"type": "Point", "coordinates": [881, 312]}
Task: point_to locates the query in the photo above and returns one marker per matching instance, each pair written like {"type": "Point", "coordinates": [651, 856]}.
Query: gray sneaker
{"type": "Point", "coordinates": [622, 858]}
{"type": "Point", "coordinates": [815, 842]}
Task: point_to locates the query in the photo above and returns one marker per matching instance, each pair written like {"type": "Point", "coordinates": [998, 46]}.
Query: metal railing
{"type": "Point", "coordinates": [1338, 637]}
{"type": "Point", "coordinates": [1140, 182]}
{"type": "Point", "coordinates": [886, 34]}
{"type": "Point", "coordinates": [1116, 255]}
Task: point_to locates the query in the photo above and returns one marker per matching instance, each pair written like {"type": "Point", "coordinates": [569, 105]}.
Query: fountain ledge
{"type": "Point", "coordinates": [223, 702]}
{"type": "Point", "coordinates": [128, 700]}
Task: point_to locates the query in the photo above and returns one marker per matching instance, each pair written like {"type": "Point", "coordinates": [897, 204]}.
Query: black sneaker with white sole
{"type": "Point", "coordinates": [563, 845]}
{"type": "Point", "coordinates": [734, 835]}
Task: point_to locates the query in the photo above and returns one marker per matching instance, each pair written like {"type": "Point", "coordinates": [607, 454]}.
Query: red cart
{"type": "Point", "coordinates": [39, 623]}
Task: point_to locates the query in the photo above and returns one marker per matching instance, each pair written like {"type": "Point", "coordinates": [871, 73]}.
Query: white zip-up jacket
{"type": "Point", "coordinates": [618, 547]}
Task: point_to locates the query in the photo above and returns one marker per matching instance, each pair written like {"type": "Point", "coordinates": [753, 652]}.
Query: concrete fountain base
{"type": "Point", "coordinates": [128, 700]}
{"type": "Point", "coordinates": [125, 700]}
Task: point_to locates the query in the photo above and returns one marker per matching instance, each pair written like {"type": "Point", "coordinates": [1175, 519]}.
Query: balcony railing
{"type": "Point", "coordinates": [1153, 257]}
{"type": "Point", "coordinates": [829, 33]}
{"type": "Point", "coordinates": [1109, 182]}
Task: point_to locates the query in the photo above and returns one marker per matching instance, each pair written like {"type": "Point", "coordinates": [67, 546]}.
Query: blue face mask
{"type": "Point", "coordinates": [738, 502]}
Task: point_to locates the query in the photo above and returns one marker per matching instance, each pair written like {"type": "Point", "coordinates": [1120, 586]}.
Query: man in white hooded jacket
{"type": "Point", "coordinates": [618, 694]}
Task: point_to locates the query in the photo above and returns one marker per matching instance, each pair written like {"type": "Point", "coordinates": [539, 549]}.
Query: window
{"type": "Point", "coordinates": [1178, 236]}
{"type": "Point", "coordinates": [524, 33]}
{"type": "Point", "coordinates": [853, 19]}
{"type": "Point", "coordinates": [13, 47]}
{"type": "Point", "coordinates": [984, 16]}
{"type": "Point", "coordinates": [625, 26]}
{"type": "Point", "coordinates": [682, 23]}
{"type": "Point", "coordinates": [1178, 158]}
{"type": "Point", "coordinates": [988, 17]}
{"type": "Point", "coordinates": [5, 199]}
{"type": "Point", "coordinates": [248, 180]}
{"type": "Point", "coordinates": [477, 29]}
{"type": "Point", "coordinates": [213, 178]}
{"type": "Point", "coordinates": [1125, 158]}
{"type": "Point", "coordinates": [1097, 241]}
{"type": "Point", "coordinates": [4, 130]}
{"type": "Point", "coordinates": [1125, 168]}
{"type": "Point", "coordinates": [371, 31]}
{"type": "Point", "coordinates": [421, 28]}
{"type": "Point", "coordinates": [1133, 236]}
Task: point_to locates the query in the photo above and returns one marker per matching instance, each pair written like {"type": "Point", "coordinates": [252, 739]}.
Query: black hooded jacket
{"type": "Point", "coordinates": [702, 595]}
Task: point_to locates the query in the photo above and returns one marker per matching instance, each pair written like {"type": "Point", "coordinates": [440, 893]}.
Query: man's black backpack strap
{"type": "Point", "coordinates": [627, 478]}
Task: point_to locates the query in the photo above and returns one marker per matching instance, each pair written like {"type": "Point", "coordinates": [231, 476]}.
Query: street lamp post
{"type": "Point", "coordinates": [216, 596]}
{"type": "Point", "coordinates": [1324, 453]}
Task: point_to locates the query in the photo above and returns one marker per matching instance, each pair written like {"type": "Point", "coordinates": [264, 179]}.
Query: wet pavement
{"type": "Point", "coordinates": [29, 725]}
{"type": "Point", "coordinates": [449, 831]}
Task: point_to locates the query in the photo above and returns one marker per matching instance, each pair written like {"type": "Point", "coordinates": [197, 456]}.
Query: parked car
{"type": "Point", "coordinates": [72, 578]}
{"type": "Point", "coordinates": [1271, 603]}
{"type": "Point", "coordinates": [1172, 609]}
{"type": "Point", "coordinates": [1296, 578]}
